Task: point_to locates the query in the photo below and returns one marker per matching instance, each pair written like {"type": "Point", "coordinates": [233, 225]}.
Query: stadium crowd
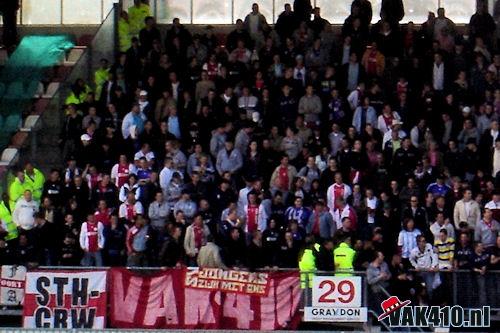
{"type": "Point", "coordinates": [375, 147]}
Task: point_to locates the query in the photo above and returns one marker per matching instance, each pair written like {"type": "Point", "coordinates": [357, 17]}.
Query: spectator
{"type": "Point", "coordinates": [324, 257]}
{"type": "Point", "coordinates": [172, 250]}
{"type": "Point", "coordinates": [24, 212]}
{"type": "Point", "coordinates": [466, 212]}
{"type": "Point", "coordinates": [256, 25]}
{"type": "Point", "coordinates": [343, 257]}
{"type": "Point", "coordinates": [425, 261]}
{"type": "Point", "coordinates": [195, 238]}
{"type": "Point", "coordinates": [445, 247]}
{"type": "Point", "coordinates": [407, 240]}
{"type": "Point", "coordinates": [486, 230]}
{"type": "Point", "coordinates": [137, 242]}
{"type": "Point", "coordinates": [479, 262]}
{"type": "Point", "coordinates": [377, 276]}
{"type": "Point", "coordinates": [209, 255]}
{"type": "Point", "coordinates": [92, 241]}
{"type": "Point", "coordinates": [158, 213]}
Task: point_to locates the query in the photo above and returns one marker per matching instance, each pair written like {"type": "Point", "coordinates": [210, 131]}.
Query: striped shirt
{"type": "Point", "coordinates": [445, 250]}
{"type": "Point", "coordinates": [407, 240]}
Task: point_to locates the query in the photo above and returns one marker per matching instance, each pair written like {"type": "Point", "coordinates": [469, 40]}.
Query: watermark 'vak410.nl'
{"type": "Point", "coordinates": [401, 314]}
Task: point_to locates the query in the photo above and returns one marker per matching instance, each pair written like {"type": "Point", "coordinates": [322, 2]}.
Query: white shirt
{"type": "Point", "coordinates": [165, 178]}
{"type": "Point", "coordinates": [438, 76]}
{"type": "Point", "coordinates": [339, 215]}
{"type": "Point", "coordinates": [300, 74]}
{"type": "Point", "coordinates": [467, 207]}
{"type": "Point", "coordinates": [175, 90]}
{"type": "Point", "coordinates": [492, 205]}
{"type": "Point", "coordinates": [24, 213]}
{"type": "Point", "coordinates": [353, 99]}
{"type": "Point", "coordinates": [148, 156]}
{"type": "Point", "coordinates": [372, 204]}
{"type": "Point", "coordinates": [143, 105]}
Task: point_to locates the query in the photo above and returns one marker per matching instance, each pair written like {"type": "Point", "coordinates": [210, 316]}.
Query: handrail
{"type": "Point", "coordinates": [193, 267]}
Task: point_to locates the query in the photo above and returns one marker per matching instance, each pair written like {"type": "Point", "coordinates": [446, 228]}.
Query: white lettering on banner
{"type": "Point", "coordinates": [202, 310]}
{"type": "Point", "coordinates": [336, 291]}
{"type": "Point", "coordinates": [12, 284]}
{"type": "Point", "coordinates": [237, 306]}
{"type": "Point", "coordinates": [121, 297]}
{"type": "Point", "coordinates": [163, 306]}
{"type": "Point", "coordinates": [319, 314]}
{"type": "Point", "coordinates": [286, 301]}
{"type": "Point", "coordinates": [163, 302]}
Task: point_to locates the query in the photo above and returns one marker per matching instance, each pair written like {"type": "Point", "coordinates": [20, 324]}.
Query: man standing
{"type": "Point", "coordinates": [137, 238]}
{"type": "Point", "coordinates": [92, 241]}
{"type": "Point", "coordinates": [9, 15]}
{"type": "Point", "coordinates": [344, 256]}
{"type": "Point", "coordinates": [256, 25]}
{"type": "Point", "coordinates": [425, 260]}
{"type": "Point", "coordinates": [24, 212]}
{"type": "Point", "coordinates": [466, 212]}
{"type": "Point", "coordinates": [35, 179]}
{"type": "Point", "coordinates": [486, 230]}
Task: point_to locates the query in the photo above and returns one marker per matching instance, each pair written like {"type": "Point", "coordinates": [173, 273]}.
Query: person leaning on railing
{"type": "Point", "coordinates": [425, 261]}
{"type": "Point", "coordinates": [344, 257]}
{"type": "Point", "coordinates": [307, 263]}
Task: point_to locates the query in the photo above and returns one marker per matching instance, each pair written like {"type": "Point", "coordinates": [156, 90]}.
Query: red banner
{"type": "Point", "coordinates": [162, 301]}
{"type": "Point", "coordinates": [240, 282]}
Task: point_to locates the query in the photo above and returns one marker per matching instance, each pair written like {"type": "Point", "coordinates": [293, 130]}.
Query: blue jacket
{"type": "Point", "coordinates": [371, 118]}
{"type": "Point", "coordinates": [327, 226]}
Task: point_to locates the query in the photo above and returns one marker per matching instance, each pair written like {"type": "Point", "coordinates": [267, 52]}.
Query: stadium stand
{"type": "Point", "coordinates": [365, 147]}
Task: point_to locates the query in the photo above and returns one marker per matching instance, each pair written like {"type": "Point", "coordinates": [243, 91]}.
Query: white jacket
{"type": "Point", "coordinates": [424, 260]}
{"type": "Point", "coordinates": [24, 213]}
{"type": "Point", "coordinates": [261, 218]}
{"type": "Point", "coordinates": [84, 240]}
{"type": "Point", "coordinates": [496, 162]}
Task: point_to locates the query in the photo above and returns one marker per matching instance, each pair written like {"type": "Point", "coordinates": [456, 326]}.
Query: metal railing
{"type": "Point", "coordinates": [46, 130]}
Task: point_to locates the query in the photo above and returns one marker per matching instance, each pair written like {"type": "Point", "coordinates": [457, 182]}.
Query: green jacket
{"type": "Point", "coordinates": [100, 76]}
{"type": "Point", "coordinates": [124, 37]}
{"type": "Point", "coordinates": [136, 16]}
{"type": "Point", "coordinates": [36, 182]}
{"type": "Point", "coordinates": [307, 264]}
{"type": "Point", "coordinates": [344, 259]}
{"type": "Point", "coordinates": [6, 220]}
{"type": "Point", "coordinates": [73, 99]}
{"type": "Point", "coordinates": [16, 191]}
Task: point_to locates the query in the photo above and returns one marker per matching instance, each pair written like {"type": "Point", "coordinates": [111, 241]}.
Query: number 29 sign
{"type": "Point", "coordinates": [336, 291]}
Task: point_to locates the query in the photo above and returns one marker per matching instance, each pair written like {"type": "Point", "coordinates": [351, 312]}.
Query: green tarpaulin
{"type": "Point", "coordinates": [20, 77]}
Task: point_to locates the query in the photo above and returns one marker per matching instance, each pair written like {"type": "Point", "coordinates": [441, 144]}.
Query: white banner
{"type": "Point", "coordinates": [335, 314]}
{"type": "Point", "coordinates": [12, 285]}
{"type": "Point", "coordinates": [65, 299]}
{"type": "Point", "coordinates": [336, 291]}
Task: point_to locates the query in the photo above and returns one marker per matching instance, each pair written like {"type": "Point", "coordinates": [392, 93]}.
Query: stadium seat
{"type": "Point", "coordinates": [8, 156]}
{"type": "Point", "coordinates": [2, 89]}
{"type": "Point", "coordinates": [30, 123]}
{"type": "Point", "coordinates": [74, 55]}
{"type": "Point", "coordinates": [15, 90]}
{"type": "Point", "coordinates": [51, 90]}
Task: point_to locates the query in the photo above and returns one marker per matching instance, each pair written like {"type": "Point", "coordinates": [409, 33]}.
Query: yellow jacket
{"type": "Point", "coordinates": [136, 16]}
{"type": "Point", "coordinates": [343, 256]}
{"type": "Point", "coordinates": [124, 37]}
{"type": "Point", "coordinates": [16, 191]}
{"type": "Point", "coordinates": [36, 182]}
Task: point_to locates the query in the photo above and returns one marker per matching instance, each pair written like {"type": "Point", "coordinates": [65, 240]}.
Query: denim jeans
{"type": "Point", "coordinates": [92, 259]}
